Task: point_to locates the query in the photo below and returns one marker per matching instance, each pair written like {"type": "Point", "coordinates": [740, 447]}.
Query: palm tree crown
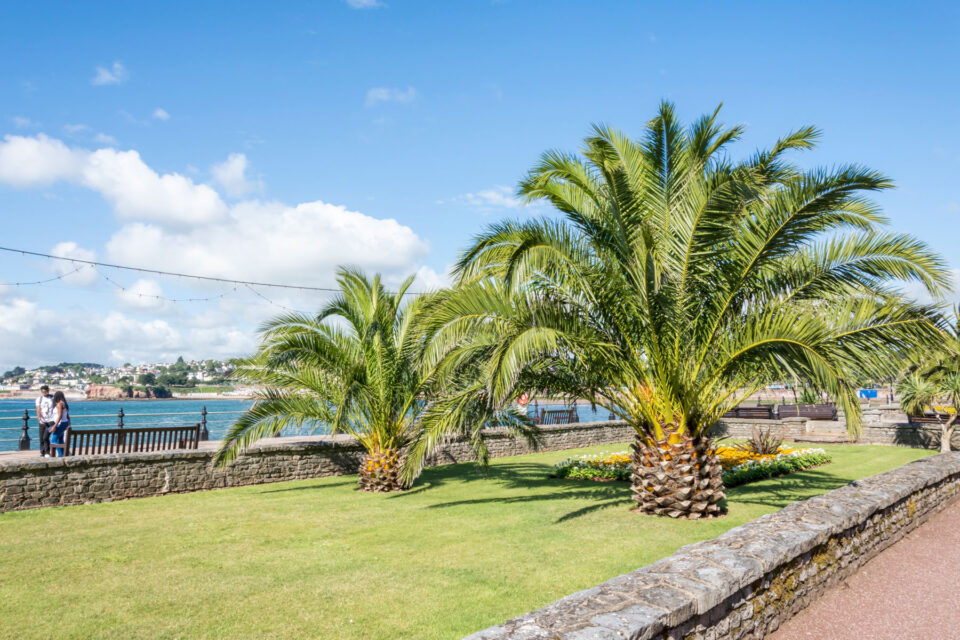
{"type": "Point", "coordinates": [353, 368]}
{"type": "Point", "coordinates": [676, 282]}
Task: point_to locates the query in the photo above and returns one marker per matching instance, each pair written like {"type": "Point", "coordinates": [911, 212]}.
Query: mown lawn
{"type": "Point", "coordinates": [316, 559]}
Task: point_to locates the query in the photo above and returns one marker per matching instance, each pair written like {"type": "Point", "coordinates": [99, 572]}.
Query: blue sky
{"type": "Point", "coordinates": [275, 142]}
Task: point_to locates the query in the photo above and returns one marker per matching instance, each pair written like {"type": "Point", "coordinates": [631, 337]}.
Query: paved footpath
{"type": "Point", "coordinates": [910, 590]}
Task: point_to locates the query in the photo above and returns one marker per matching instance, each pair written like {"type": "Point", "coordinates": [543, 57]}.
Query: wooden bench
{"type": "Point", "coordinates": [557, 416]}
{"type": "Point", "coordinates": [79, 442]}
{"type": "Point", "coordinates": [755, 413]}
{"type": "Point", "coordinates": [919, 420]}
{"type": "Point", "coordinates": [811, 411]}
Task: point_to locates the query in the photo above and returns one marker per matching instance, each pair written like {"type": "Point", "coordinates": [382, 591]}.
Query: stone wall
{"type": "Point", "coordinates": [748, 581]}
{"type": "Point", "coordinates": [884, 424]}
{"type": "Point", "coordinates": [789, 428]}
{"type": "Point", "coordinates": [26, 484]}
{"type": "Point", "coordinates": [906, 435]}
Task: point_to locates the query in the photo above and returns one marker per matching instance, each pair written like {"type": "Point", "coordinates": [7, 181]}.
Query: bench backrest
{"type": "Point", "coordinates": [929, 419]}
{"type": "Point", "coordinates": [557, 416]}
{"type": "Point", "coordinates": [81, 442]}
{"type": "Point", "coordinates": [812, 411]}
{"type": "Point", "coordinates": [762, 413]}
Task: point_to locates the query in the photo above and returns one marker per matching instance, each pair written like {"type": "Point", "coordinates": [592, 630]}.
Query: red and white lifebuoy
{"type": "Point", "coordinates": [523, 400]}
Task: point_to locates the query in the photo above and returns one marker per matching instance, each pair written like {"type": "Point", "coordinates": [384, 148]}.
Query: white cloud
{"type": "Point", "coordinates": [497, 197]}
{"type": "Point", "coordinates": [103, 138]}
{"type": "Point", "coordinates": [161, 114]}
{"type": "Point", "coordinates": [39, 160]}
{"type": "Point", "coordinates": [231, 175]}
{"type": "Point", "coordinates": [23, 122]}
{"type": "Point", "coordinates": [135, 190]}
{"type": "Point", "coordinates": [429, 280]}
{"type": "Point", "coordinates": [16, 319]}
{"type": "Point", "coordinates": [33, 334]}
{"type": "Point", "coordinates": [86, 275]}
{"type": "Point", "coordinates": [82, 131]}
{"type": "Point", "coordinates": [118, 328]}
{"type": "Point", "coordinates": [116, 74]}
{"type": "Point", "coordinates": [273, 242]}
{"type": "Point", "coordinates": [75, 129]}
{"type": "Point", "coordinates": [365, 4]}
{"type": "Point", "coordinates": [138, 192]}
{"type": "Point", "coordinates": [171, 223]}
{"type": "Point", "coordinates": [377, 95]}
{"type": "Point", "coordinates": [144, 294]}
{"type": "Point", "coordinates": [132, 119]}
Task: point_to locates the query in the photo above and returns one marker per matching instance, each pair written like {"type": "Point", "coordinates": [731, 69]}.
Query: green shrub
{"type": "Point", "coordinates": [753, 471]}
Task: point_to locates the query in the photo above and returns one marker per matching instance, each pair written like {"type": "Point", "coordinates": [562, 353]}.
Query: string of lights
{"type": "Point", "coordinates": [151, 296]}
{"type": "Point", "coordinates": [158, 297]}
{"type": "Point", "coordinates": [276, 304]}
{"type": "Point", "coordinates": [231, 281]}
{"type": "Point", "coordinates": [59, 277]}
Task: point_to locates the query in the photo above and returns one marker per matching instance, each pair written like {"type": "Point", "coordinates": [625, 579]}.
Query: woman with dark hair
{"type": "Point", "coordinates": [60, 424]}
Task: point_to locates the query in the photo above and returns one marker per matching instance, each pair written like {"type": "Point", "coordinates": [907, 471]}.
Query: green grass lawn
{"type": "Point", "coordinates": [459, 552]}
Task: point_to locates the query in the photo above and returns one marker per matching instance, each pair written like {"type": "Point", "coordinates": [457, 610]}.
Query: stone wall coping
{"type": "Point", "coordinates": [698, 577]}
{"type": "Point", "coordinates": [291, 444]}
{"type": "Point", "coordinates": [760, 421]}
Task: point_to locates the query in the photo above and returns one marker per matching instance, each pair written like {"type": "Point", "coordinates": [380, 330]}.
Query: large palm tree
{"type": "Point", "coordinates": [675, 282]}
{"type": "Point", "coordinates": [358, 367]}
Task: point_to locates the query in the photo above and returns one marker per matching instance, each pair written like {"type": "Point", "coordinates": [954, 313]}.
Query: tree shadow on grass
{"type": "Point", "coordinates": [312, 487]}
{"type": "Point", "coordinates": [516, 475]}
{"type": "Point", "coordinates": [534, 477]}
{"type": "Point", "coordinates": [779, 492]}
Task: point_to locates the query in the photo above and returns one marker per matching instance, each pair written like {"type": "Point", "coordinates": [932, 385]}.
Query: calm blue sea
{"type": "Point", "coordinates": [103, 414]}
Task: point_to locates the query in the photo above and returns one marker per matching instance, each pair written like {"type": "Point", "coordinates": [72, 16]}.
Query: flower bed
{"type": "Point", "coordinates": [739, 466]}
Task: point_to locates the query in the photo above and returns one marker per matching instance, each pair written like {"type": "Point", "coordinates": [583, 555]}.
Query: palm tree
{"type": "Point", "coordinates": [935, 382]}
{"type": "Point", "coordinates": [357, 367]}
{"type": "Point", "coordinates": [676, 282]}
{"type": "Point", "coordinates": [351, 368]}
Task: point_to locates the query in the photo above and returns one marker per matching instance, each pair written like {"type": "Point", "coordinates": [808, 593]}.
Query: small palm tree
{"type": "Point", "coordinates": [677, 282]}
{"type": "Point", "coordinates": [935, 383]}
{"type": "Point", "coordinates": [359, 367]}
{"type": "Point", "coordinates": [353, 368]}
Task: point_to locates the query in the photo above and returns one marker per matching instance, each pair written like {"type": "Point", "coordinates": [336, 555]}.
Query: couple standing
{"type": "Point", "coordinates": [53, 415]}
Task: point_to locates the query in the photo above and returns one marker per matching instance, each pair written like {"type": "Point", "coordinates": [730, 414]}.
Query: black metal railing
{"type": "Point", "coordinates": [119, 420]}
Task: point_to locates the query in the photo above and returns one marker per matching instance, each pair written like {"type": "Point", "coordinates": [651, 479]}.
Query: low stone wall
{"type": "Point", "coordinates": [27, 484]}
{"type": "Point", "coordinates": [789, 428]}
{"type": "Point", "coordinates": [906, 435]}
{"type": "Point", "coordinates": [886, 425]}
{"type": "Point", "coordinates": [748, 581]}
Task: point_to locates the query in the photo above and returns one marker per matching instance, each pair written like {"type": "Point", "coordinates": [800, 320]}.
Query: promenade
{"type": "Point", "coordinates": [908, 591]}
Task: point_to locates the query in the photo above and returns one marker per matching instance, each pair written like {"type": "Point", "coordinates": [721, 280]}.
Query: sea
{"type": "Point", "coordinates": [221, 413]}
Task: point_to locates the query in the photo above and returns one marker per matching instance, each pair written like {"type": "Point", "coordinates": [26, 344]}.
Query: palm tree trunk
{"type": "Point", "coordinates": [946, 434]}
{"type": "Point", "coordinates": [380, 471]}
{"type": "Point", "coordinates": [680, 480]}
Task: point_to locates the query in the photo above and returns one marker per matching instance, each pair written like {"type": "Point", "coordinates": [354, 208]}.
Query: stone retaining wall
{"type": "Point", "coordinates": [886, 425]}
{"type": "Point", "coordinates": [26, 484]}
{"type": "Point", "coordinates": [748, 581]}
{"type": "Point", "coordinates": [789, 428]}
{"type": "Point", "coordinates": [907, 435]}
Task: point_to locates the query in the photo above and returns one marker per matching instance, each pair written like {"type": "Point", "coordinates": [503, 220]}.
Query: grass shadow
{"type": "Point", "coordinates": [781, 491]}
{"type": "Point", "coordinates": [312, 487]}
{"type": "Point", "coordinates": [535, 477]}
